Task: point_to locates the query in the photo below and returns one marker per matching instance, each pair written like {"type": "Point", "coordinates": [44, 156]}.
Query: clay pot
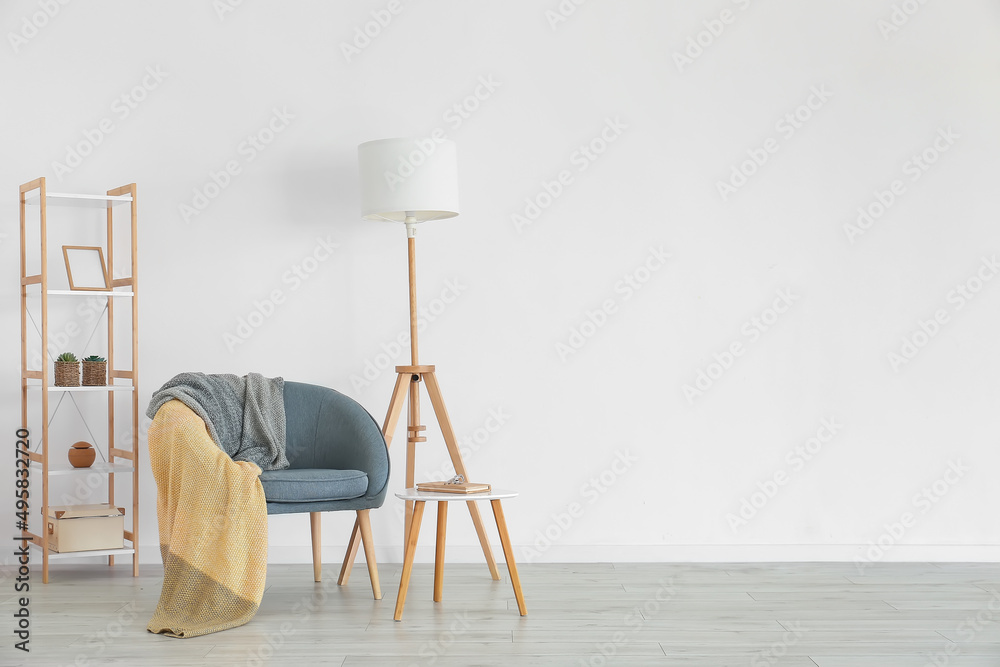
{"type": "Point", "coordinates": [82, 454]}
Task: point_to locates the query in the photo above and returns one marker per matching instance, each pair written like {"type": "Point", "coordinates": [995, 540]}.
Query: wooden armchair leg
{"type": "Point", "coordinates": [366, 540]}
{"type": "Point", "coordinates": [316, 530]}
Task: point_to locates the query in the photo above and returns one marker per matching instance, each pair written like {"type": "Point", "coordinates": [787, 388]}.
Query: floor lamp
{"type": "Point", "coordinates": [413, 181]}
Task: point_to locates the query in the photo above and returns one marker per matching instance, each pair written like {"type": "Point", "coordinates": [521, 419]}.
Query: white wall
{"type": "Point", "coordinates": [683, 465]}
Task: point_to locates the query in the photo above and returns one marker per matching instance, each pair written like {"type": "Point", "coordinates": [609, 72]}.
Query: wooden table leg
{"type": "Point", "coordinates": [448, 433]}
{"type": "Point", "coordinates": [439, 550]}
{"type": "Point", "coordinates": [411, 548]}
{"type": "Point", "coordinates": [508, 553]}
{"type": "Point", "coordinates": [484, 541]}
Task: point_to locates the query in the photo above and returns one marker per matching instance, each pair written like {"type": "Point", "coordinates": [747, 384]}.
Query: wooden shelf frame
{"type": "Point", "coordinates": [120, 460]}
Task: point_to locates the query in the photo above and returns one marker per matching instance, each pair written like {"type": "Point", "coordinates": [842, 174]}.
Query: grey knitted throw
{"type": "Point", "coordinates": [245, 415]}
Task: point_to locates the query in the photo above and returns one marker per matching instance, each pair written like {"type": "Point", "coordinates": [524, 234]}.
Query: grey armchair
{"type": "Point", "coordinates": [338, 461]}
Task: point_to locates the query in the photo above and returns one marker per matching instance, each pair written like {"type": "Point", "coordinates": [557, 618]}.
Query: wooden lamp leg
{"type": "Point", "coordinates": [508, 553]}
{"type": "Point", "coordinates": [412, 429]}
{"type": "Point", "coordinates": [434, 391]}
{"type": "Point", "coordinates": [484, 541]}
{"type": "Point", "coordinates": [352, 552]}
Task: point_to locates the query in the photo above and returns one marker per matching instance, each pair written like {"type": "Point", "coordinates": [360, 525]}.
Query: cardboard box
{"type": "Point", "coordinates": [85, 527]}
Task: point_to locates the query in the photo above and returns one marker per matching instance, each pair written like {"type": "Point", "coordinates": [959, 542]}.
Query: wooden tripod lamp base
{"type": "Point", "coordinates": [412, 377]}
{"type": "Point", "coordinates": [408, 381]}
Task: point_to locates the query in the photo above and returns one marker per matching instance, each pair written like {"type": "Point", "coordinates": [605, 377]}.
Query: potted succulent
{"type": "Point", "coordinates": [95, 371]}
{"type": "Point", "coordinates": [67, 370]}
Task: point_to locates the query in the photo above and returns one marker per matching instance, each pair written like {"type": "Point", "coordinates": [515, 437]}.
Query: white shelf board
{"type": "Point", "coordinates": [81, 554]}
{"type": "Point", "coordinates": [102, 467]}
{"type": "Point", "coordinates": [70, 292]}
{"type": "Point", "coordinates": [110, 387]}
{"type": "Point", "coordinates": [69, 199]}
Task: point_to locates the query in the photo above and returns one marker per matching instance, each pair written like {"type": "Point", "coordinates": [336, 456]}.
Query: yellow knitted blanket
{"type": "Point", "coordinates": [213, 528]}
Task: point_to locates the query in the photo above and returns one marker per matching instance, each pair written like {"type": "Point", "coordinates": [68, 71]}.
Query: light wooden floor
{"type": "Point", "coordinates": [712, 615]}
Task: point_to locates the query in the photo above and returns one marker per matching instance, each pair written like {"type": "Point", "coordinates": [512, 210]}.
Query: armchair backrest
{"type": "Point", "coordinates": [326, 429]}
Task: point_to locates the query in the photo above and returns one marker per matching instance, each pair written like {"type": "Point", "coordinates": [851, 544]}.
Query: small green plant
{"type": "Point", "coordinates": [94, 357]}
{"type": "Point", "coordinates": [67, 357]}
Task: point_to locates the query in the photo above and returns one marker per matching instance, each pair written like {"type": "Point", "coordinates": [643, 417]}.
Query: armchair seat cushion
{"type": "Point", "coordinates": [306, 485]}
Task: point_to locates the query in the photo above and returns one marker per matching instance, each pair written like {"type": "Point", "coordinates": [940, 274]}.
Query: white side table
{"type": "Point", "coordinates": [442, 499]}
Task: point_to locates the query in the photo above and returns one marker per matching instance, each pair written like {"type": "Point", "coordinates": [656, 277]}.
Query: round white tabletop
{"type": "Point", "coordinates": [494, 494]}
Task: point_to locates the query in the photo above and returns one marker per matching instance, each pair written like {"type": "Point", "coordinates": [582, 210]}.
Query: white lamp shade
{"type": "Point", "coordinates": [408, 177]}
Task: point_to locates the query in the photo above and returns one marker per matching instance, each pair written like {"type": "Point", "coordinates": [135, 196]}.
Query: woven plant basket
{"type": "Point", "coordinates": [95, 373]}
{"type": "Point", "coordinates": [67, 373]}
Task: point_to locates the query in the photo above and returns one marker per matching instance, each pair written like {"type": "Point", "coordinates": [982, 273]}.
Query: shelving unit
{"type": "Point", "coordinates": [119, 460]}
